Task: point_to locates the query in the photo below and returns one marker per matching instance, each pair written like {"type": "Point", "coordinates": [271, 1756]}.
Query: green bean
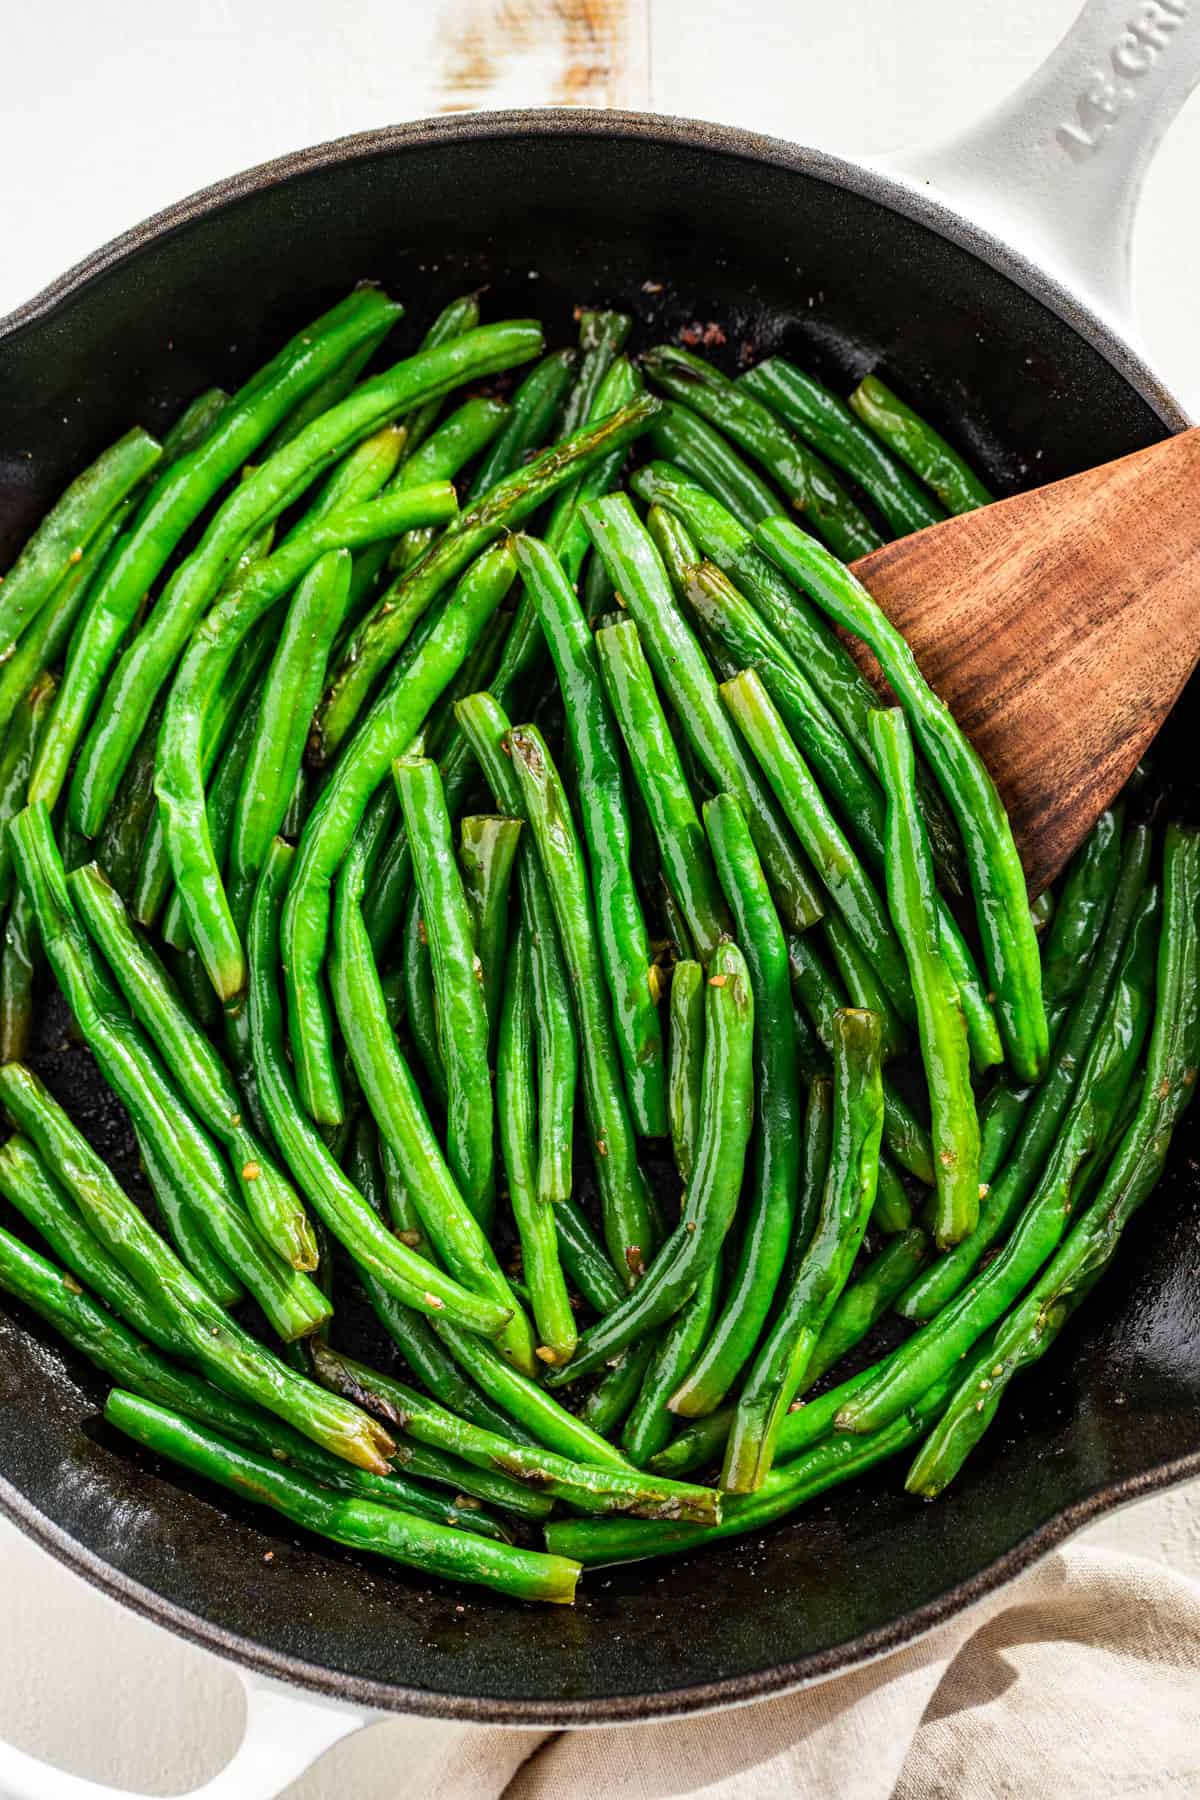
{"type": "Point", "coordinates": [153, 883]}
{"type": "Point", "coordinates": [193, 425]}
{"type": "Point", "coordinates": [413, 1336]}
{"type": "Point", "coordinates": [345, 1518]}
{"type": "Point", "coordinates": [16, 759]}
{"type": "Point", "coordinates": [468, 430]}
{"type": "Point", "coordinates": [624, 944]}
{"type": "Point", "coordinates": [597, 1542]}
{"type": "Point", "coordinates": [804, 1424]}
{"type": "Point", "coordinates": [377, 639]}
{"type": "Point", "coordinates": [534, 1218]}
{"type": "Point", "coordinates": [67, 529]}
{"type": "Point", "coordinates": [678, 941]}
{"type": "Point", "coordinates": [584, 1259]}
{"type": "Point", "coordinates": [821, 995]}
{"type": "Point", "coordinates": [810, 485]}
{"type": "Point", "coordinates": [392, 1097]}
{"type": "Point", "coordinates": [931, 1352]}
{"type": "Point", "coordinates": [328, 392]}
{"type": "Point", "coordinates": [1001, 1115]}
{"type": "Point", "coordinates": [688, 684]}
{"type": "Point", "coordinates": [740, 640]}
{"type": "Point", "coordinates": [185, 1225]}
{"type": "Point", "coordinates": [487, 850]}
{"type": "Point", "coordinates": [419, 1004]}
{"type": "Point", "coordinates": [830, 427]}
{"type": "Point", "coordinates": [1001, 904]}
{"type": "Point", "coordinates": [814, 1163]}
{"type": "Point", "coordinates": [975, 1402]}
{"type": "Point", "coordinates": [445, 1381]}
{"type": "Point", "coordinates": [865, 1301]}
{"type": "Point", "coordinates": [863, 985]}
{"type": "Point", "coordinates": [686, 1063]}
{"type": "Point", "coordinates": [699, 449]}
{"type": "Point", "coordinates": [565, 532]}
{"type": "Point", "coordinates": [457, 440]}
{"type": "Point", "coordinates": [1165, 1092]}
{"type": "Point", "coordinates": [32, 1190]}
{"type": "Point", "coordinates": [892, 1211]}
{"type": "Point", "coordinates": [711, 1199]}
{"type": "Point", "coordinates": [610, 1400]}
{"type": "Point", "coordinates": [769, 1204]}
{"type": "Point", "coordinates": [220, 803]}
{"type": "Point", "coordinates": [522, 1399]}
{"type": "Point", "coordinates": [213, 648]}
{"type": "Point", "coordinates": [107, 1343]}
{"type": "Point", "coordinates": [41, 645]}
{"type": "Point", "coordinates": [203, 1079]}
{"type": "Point", "coordinates": [486, 729]}
{"type": "Point", "coordinates": [614, 1487]}
{"type": "Point", "coordinates": [852, 891]}
{"type": "Point", "coordinates": [1080, 915]}
{"type": "Point", "coordinates": [457, 982]}
{"type": "Point", "coordinates": [459, 316]}
{"type": "Point", "coordinates": [443, 735]}
{"type": "Point", "coordinates": [56, 1295]}
{"type": "Point", "coordinates": [648, 1426]}
{"type": "Point", "coordinates": [478, 1484]}
{"type": "Point", "coordinates": [531, 416]}
{"type": "Point", "coordinates": [941, 1025]}
{"type": "Point", "coordinates": [290, 694]}
{"type": "Point", "coordinates": [725, 613]}
{"type": "Point", "coordinates": [112, 1347]}
{"type": "Point", "coordinates": [916, 443]}
{"type": "Point", "coordinates": [187, 972]}
{"type": "Point", "coordinates": [849, 1194]}
{"type": "Point", "coordinates": [1048, 1108]}
{"type": "Point", "coordinates": [148, 662]}
{"type": "Point", "coordinates": [1067, 951]}
{"type": "Point", "coordinates": [602, 336]}
{"type": "Point", "coordinates": [181, 1145]}
{"type": "Point", "coordinates": [628, 1226]}
{"type": "Point", "coordinates": [219, 1346]}
{"type": "Point", "coordinates": [358, 477]}
{"type": "Point", "coordinates": [175, 501]}
{"type": "Point", "coordinates": [386, 733]}
{"type": "Point", "coordinates": [257, 1431]}
{"type": "Point", "coordinates": [687, 861]}
{"type": "Point", "coordinates": [790, 618]}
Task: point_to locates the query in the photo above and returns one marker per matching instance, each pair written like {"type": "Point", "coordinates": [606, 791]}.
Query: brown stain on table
{"type": "Point", "coordinates": [586, 44]}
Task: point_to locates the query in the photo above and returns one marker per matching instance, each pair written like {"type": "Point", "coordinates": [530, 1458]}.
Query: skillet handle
{"type": "Point", "coordinates": [1056, 170]}
{"type": "Point", "coordinates": [285, 1734]}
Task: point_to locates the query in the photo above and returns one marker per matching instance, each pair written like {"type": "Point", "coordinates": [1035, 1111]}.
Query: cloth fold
{"type": "Point", "coordinates": [1079, 1680]}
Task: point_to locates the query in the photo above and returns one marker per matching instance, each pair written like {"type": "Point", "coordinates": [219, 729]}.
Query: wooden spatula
{"type": "Point", "coordinates": [1059, 627]}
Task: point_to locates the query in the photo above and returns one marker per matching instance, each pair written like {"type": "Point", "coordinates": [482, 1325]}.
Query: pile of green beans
{"type": "Point", "coordinates": [548, 932]}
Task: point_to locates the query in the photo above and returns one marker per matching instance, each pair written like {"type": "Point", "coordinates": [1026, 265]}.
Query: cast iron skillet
{"type": "Point", "coordinates": [786, 250]}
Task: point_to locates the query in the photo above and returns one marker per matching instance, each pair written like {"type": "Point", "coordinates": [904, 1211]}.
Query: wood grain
{"type": "Point", "coordinates": [543, 52]}
{"type": "Point", "coordinates": [1059, 627]}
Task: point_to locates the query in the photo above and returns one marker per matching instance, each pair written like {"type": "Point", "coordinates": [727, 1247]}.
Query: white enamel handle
{"type": "Point", "coordinates": [285, 1734]}
{"type": "Point", "coordinates": [1056, 170]}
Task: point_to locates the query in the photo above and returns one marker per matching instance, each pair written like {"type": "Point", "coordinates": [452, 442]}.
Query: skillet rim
{"type": "Point", "coordinates": [911, 203]}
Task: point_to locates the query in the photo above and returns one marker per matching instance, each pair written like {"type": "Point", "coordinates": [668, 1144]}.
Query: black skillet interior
{"type": "Point", "coordinates": [676, 226]}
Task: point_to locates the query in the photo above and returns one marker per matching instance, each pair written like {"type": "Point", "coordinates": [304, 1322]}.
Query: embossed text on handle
{"type": "Point", "coordinates": [1111, 91]}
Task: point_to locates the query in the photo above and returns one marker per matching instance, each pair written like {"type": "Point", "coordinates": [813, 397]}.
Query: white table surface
{"type": "Point", "coordinates": [110, 110]}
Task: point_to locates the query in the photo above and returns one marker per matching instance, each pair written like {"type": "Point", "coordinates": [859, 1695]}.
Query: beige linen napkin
{"type": "Point", "coordinates": [1078, 1682]}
